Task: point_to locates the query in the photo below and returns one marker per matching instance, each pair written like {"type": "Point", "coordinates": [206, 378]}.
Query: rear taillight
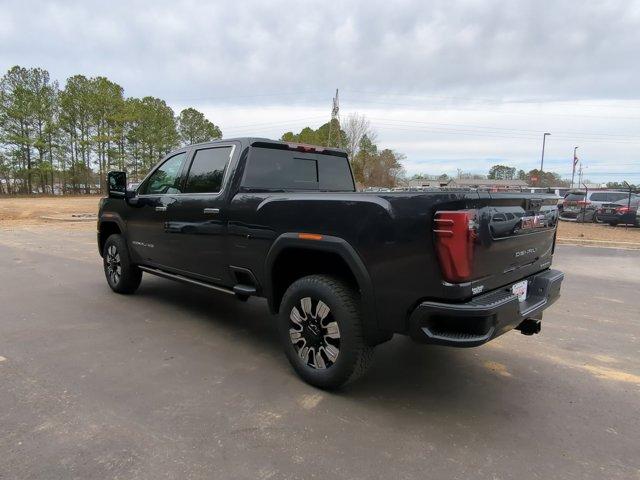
{"type": "Point", "coordinates": [622, 210]}
{"type": "Point", "coordinates": [455, 235]}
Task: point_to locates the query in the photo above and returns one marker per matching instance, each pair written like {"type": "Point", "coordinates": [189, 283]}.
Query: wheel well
{"type": "Point", "coordinates": [294, 263]}
{"type": "Point", "coordinates": [106, 230]}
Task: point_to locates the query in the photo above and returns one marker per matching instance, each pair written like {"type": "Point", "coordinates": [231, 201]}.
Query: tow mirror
{"type": "Point", "coordinates": [117, 184]}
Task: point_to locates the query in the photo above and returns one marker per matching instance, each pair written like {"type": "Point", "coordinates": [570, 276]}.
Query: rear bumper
{"type": "Point", "coordinates": [486, 316]}
{"type": "Point", "coordinates": [617, 218]}
{"type": "Point", "coordinates": [587, 214]}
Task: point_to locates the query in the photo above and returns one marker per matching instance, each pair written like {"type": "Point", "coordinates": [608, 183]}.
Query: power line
{"type": "Point", "coordinates": [269, 124]}
{"type": "Point", "coordinates": [498, 112]}
{"type": "Point", "coordinates": [498, 101]}
{"type": "Point", "coordinates": [493, 134]}
{"type": "Point", "coordinates": [231, 97]}
{"type": "Point", "coordinates": [490, 127]}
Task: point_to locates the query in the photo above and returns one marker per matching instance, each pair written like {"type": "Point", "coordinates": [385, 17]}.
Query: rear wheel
{"type": "Point", "coordinates": [321, 329]}
{"type": "Point", "coordinates": [613, 224]}
{"type": "Point", "coordinates": [122, 276]}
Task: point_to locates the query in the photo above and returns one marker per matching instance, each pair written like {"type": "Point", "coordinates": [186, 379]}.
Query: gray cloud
{"type": "Point", "coordinates": [182, 49]}
{"type": "Point", "coordinates": [509, 70]}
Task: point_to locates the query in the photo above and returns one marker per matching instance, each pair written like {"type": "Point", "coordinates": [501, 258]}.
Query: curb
{"type": "Point", "coordinates": [598, 243]}
{"type": "Point", "coordinates": [84, 217]}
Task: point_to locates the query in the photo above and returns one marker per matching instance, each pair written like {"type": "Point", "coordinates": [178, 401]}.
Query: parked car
{"type": "Point", "coordinates": [343, 271]}
{"type": "Point", "coordinates": [621, 212]}
{"type": "Point", "coordinates": [582, 206]}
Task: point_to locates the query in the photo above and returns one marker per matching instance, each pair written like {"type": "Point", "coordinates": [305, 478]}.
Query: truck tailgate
{"type": "Point", "coordinates": [501, 238]}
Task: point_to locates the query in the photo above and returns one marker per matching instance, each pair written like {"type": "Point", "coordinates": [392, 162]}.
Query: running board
{"type": "Point", "coordinates": [181, 278]}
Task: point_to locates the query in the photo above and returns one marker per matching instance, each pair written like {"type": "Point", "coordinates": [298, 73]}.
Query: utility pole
{"type": "Point", "coordinates": [544, 139]}
{"type": "Point", "coordinates": [580, 175]}
{"type": "Point", "coordinates": [575, 162]}
{"type": "Point", "coordinates": [335, 115]}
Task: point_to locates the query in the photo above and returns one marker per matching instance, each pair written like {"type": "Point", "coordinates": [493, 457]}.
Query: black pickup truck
{"type": "Point", "coordinates": [342, 270]}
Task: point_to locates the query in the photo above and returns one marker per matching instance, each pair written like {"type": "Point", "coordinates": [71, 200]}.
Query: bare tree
{"type": "Point", "coordinates": [355, 127]}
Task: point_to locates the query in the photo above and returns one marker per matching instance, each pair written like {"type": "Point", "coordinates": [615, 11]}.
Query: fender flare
{"type": "Point", "coordinates": [330, 244]}
{"type": "Point", "coordinates": [110, 217]}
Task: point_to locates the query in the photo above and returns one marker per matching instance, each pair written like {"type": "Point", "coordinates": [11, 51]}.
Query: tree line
{"type": "Point", "coordinates": [65, 139]}
{"type": "Point", "coordinates": [533, 177]}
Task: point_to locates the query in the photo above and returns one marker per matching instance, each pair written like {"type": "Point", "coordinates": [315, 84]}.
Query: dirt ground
{"type": "Point", "coordinates": [598, 234]}
{"type": "Point", "coordinates": [17, 212]}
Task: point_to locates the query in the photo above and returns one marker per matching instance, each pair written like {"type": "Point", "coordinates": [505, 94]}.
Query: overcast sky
{"type": "Point", "coordinates": [451, 84]}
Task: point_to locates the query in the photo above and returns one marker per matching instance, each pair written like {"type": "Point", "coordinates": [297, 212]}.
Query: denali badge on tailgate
{"type": "Point", "coordinates": [528, 251]}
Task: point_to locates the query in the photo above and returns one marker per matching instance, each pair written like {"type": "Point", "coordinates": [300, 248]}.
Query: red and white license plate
{"type": "Point", "coordinates": [520, 290]}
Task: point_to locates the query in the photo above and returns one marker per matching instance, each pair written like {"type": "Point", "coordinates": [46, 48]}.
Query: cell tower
{"type": "Point", "coordinates": [335, 115]}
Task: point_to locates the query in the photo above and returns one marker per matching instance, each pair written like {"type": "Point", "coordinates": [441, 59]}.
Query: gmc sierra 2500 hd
{"type": "Point", "coordinates": [343, 271]}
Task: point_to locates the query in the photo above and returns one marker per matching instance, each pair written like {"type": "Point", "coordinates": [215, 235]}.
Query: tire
{"type": "Point", "coordinates": [613, 224]}
{"type": "Point", "coordinates": [122, 275]}
{"type": "Point", "coordinates": [322, 314]}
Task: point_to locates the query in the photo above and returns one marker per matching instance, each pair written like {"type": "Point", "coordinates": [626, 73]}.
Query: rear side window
{"type": "Point", "coordinates": [614, 197]}
{"type": "Point", "coordinates": [574, 197]}
{"type": "Point", "coordinates": [276, 169]}
{"type": "Point", "coordinates": [207, 170]}
{"type": "Point", "coordinates": [600, 197]}
{"type": "Point", "coordinates": [625, 201]}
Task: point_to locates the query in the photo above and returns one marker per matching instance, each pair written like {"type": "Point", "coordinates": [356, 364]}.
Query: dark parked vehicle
{"type": "Point", "coordinates": [585, 206]}
{"type": "Point", "coordinates": [621, 212]}
{"type": "Point", "coordinates": [343, 271]}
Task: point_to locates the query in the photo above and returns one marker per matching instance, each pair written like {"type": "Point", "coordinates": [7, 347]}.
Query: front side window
{"type": "Point", "coordinates": [166, 179]}
{"type": "Point", "coordinates": [207, 170]}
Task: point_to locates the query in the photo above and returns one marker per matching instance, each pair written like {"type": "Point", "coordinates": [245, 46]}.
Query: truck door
{"type": "Point", "coordinates": [197, 221]}
{"type": "Point", "coordinates": [145, 222]}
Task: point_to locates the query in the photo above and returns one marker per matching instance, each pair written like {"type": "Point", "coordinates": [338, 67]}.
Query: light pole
{"type": "Point", "coordinates": [544, 139]}
{"type": "Point", "coordinates": [575, 162]}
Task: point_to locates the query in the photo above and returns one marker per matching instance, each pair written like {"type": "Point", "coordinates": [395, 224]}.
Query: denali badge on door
{"type": "Point", "coordinates": [520, 289]}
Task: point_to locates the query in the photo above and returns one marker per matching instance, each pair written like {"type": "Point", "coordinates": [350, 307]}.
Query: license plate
{"type": "Point", "coordinates": [520, 290]}
{"type": "Point", "coordinates": [608, 210]}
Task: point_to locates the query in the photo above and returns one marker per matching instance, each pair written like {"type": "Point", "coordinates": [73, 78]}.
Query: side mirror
{"type": "Point", "coordinates": [117, 184]}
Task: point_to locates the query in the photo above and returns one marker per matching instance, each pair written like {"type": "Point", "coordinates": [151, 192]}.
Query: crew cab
{"type": "Point", "coordinates": [342, 270]}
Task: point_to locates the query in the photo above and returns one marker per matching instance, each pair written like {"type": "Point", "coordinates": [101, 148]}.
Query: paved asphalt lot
{"type": "Point", "coordinates": [175, 382]}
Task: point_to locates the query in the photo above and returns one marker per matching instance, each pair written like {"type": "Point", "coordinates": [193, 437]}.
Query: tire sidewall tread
{"type": "Point", "coordinates": [131, 275]}
{"type": "Point", "coordinates": [355, 355]}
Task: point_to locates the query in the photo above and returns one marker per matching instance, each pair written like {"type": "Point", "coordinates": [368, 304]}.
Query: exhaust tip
{"type": "Point", "coordinates": [530, 326]}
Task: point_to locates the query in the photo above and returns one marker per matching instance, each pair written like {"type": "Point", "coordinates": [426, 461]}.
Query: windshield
{"type": "Point", "coordinates": [574, 197]}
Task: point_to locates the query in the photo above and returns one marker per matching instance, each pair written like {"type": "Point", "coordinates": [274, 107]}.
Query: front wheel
{"type": "Point", "coordinates": [122, 275]}
{"type": "Point", "coordinates": [320, 326]}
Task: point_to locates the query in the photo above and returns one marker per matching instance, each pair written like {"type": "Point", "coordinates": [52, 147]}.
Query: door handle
{"type": "Point", "coordinates": [211, 210]}
{"type": "Point", "coordinates": [161, 209]}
